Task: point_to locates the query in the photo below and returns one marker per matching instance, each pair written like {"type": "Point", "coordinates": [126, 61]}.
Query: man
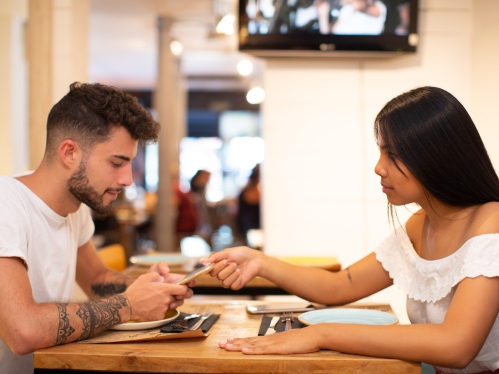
{"type": "Point", "coordinates": [45, 230]}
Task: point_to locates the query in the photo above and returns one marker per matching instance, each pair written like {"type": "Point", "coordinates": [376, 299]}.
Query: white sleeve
{"type": "Point", "coordinates": [432, 280]}
{"type": "Point", "coordinates": [14, 228]}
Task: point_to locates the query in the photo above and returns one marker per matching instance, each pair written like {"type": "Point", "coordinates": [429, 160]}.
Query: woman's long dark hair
{"type": "Point", "coordinates": [432, 134]}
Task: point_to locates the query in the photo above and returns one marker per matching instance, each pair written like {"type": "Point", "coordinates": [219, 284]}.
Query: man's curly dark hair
{"type": "Point", "coordinates": [89, 112]}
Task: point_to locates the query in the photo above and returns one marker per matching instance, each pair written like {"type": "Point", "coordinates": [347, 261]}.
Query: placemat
{"type": "Point", "coordinates": [110, 336]}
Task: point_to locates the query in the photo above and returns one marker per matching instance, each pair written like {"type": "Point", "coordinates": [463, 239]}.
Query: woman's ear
{"type": "Point", "coordinates": [70, 153]}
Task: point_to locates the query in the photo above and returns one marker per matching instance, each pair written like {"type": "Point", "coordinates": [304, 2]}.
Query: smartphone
{"type": "Point", "coordinates": [279, 308]}
{"type": "Point", "coordinates": [194, 274]}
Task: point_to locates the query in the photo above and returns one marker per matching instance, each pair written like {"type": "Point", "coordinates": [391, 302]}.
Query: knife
{"type": "Point", "coordinates": [273, 322]}
{"type": "Point", "coordinates": [201, 320]}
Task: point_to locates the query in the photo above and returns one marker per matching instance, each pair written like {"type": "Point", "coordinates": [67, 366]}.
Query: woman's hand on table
{"type": "Point", "coordinates": [150, 297]}
{"type": "Point", "coordinates": [235, 266]}
{"type": "Point", "coordinates": [283, 343]}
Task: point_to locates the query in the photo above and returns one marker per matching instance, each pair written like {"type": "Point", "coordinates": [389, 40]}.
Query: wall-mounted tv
{"type": "Point", "coordinates": [327, 27]}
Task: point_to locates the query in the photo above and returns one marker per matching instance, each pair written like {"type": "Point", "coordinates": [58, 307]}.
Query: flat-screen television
{"type": "Point", "coordinates": [325, 27]}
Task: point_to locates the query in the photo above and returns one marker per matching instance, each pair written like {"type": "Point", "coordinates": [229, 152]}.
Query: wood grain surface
{"type": "Point", "coordinates": [202, 355]}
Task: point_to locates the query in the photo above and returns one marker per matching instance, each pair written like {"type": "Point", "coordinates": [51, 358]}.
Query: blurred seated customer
{"type": "Point", "coordinates": [198, 189]}
{"type": "Point", "coordinates": [187, 215]}
{"type": "Point", "coordinates": [248, 214]}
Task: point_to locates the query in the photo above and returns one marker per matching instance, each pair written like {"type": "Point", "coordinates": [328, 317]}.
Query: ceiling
{"type": "Point", "coordinates": [124, 44]}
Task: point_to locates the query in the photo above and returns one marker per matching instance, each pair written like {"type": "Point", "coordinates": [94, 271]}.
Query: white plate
{"type": "Point", "coordinates": [171, 259]}
{"type": "Point", "coordinates": [131, 325]}
{"type": "Point", "coordinates": [348, 315]}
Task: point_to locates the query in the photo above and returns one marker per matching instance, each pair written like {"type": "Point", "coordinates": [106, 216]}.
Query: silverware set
{"type": "Point", "coordinates": [183, 324]}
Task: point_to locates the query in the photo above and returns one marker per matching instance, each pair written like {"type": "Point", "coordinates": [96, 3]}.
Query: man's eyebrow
{"type": "Point", "coordinates": [124, 158]}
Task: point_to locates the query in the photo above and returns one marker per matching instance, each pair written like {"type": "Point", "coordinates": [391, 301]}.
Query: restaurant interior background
{"type": "Point", "coordinates": [313, 132]}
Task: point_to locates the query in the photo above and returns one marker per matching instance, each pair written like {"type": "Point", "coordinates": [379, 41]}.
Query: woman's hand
{"type": "Point", "coordinates": [288, 342]}
{"type": "Point", "coordinates": [235, 266]}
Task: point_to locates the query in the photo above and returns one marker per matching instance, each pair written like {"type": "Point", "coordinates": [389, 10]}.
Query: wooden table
{"type": "Point", "coordinates": [208, 285]}
{"type": "Point", "coordinates": [202, 355]}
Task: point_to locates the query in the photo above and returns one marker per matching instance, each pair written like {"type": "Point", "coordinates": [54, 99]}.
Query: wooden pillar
{"type": "Point", "coordinates": [40, 75]}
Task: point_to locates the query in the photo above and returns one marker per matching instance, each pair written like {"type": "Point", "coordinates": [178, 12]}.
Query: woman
{"type": "Point", "coordinates": [248, 211]}
{"type": "Point", "coordinates": [446, 258]}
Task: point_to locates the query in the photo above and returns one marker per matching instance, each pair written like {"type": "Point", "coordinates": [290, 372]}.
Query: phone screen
{"type": "Point", "coordinates": [194, 274]}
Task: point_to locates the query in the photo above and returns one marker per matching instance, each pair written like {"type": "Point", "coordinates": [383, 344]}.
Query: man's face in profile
{"type": "Point", "coordinates": [106, 170]}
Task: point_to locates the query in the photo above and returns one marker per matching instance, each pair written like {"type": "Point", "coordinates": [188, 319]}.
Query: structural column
{"type": "Point", "coordinates": [169, 103]}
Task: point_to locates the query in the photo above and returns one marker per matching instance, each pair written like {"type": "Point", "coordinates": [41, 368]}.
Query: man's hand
{"type": "Point", "coordinates": [150, 297]}
{"type": "Point", "coordinates": [162, 269]}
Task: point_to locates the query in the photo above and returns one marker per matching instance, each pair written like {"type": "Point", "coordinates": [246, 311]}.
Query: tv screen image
{"type": "Point", "coordinates": [327, 25]}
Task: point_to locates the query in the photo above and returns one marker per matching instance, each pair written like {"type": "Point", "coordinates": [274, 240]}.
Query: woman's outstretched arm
{"type": "Point", "coordinates": [237, 266]}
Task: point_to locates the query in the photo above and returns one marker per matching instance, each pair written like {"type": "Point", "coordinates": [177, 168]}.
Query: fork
{"type": "Point", "coordinates": [287, 317]}
{"type": "Point", "coordinates": [183, 323]}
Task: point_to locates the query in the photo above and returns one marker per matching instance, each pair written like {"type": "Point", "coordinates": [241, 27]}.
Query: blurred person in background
{"type": "Point", "coordinates": [199, 182]}
{"type": "Point", "coordinates": [248, 213]}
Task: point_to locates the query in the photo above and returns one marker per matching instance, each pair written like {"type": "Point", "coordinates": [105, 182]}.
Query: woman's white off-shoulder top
{"type": "Point", "coordinates": [430, 285]}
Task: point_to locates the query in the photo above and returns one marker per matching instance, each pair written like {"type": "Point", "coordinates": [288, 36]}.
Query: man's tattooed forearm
{"type": "Point", "coordinates": [108, 288]}
{"type": "Point", "coordinates": [64, 330]}
{"type": "Point", "coordinates": [99, 315]}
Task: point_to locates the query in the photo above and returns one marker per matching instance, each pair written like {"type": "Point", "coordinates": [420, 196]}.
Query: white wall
{"type": "Point", "coordinates": [13, 88]}
{"type": "Point", "coordinates": [320, 193]}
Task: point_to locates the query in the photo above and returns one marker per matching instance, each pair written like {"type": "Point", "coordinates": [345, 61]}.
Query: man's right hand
{"type": "Point", "coordinates": [235, 266]}
{"type": "Point", "coordinates": [150, 298]}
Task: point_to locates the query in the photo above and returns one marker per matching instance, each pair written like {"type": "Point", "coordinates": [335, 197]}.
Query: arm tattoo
{"type": "Point", "coordinates": [64, 330]}
{"type": "Point", "coordinates": [108, 288]}
{"type": "Point", "coordinates": [348, 275]}
{"type": "Point", "coordinates": [101, 314]}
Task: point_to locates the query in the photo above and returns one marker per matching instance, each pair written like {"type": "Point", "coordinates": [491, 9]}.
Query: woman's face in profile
{"type": "Point", "coordinates": [398, 183]}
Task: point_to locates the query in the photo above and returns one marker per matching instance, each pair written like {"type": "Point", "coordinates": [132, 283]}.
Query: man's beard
{"type": "Point", "coordinates": [79, 186]}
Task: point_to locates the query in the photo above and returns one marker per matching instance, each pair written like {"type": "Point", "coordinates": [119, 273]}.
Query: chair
{"type": "Point", "coordinates": [113, 256]}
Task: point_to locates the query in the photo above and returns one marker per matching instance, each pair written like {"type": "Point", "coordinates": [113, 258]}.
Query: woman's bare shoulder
{"type": "Point", "coordinates": [415, 223]}
{"type": "Point", "coordinates": [486, 219]}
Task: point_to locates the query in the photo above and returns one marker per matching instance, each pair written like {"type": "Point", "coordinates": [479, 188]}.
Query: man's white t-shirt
{"type": "Point", "coordinates": [47, 243]}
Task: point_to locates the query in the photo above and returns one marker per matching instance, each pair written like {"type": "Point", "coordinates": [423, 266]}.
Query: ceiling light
{"type": "Point", "coordinates": [226, 25]}
{"type": "Point", "coordinates": [176, 47]}
{"type": "Point", "coordinates": [256, 95]}
{"type": "Point", "coordinates": [245, 67]}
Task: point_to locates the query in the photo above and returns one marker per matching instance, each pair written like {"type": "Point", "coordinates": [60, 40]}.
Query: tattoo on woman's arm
{"type": "Point", "coordinates": [348, 275]}
{"type": "Point", "coordinates": [64, 330]}
{"type": "Point", "coordinates": [99, 315]}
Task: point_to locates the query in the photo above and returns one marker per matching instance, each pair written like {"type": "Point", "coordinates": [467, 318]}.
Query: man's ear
{"type": "Point", "coordinates": [70, 153]}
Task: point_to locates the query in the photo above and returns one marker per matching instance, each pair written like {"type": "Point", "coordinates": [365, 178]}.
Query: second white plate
{"type": "Point", "coordinates": [348, 315]}
{"type": "Point", "coordinates": [132, 325]}
{"type": "Point", "coordinates": [171, 259]}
